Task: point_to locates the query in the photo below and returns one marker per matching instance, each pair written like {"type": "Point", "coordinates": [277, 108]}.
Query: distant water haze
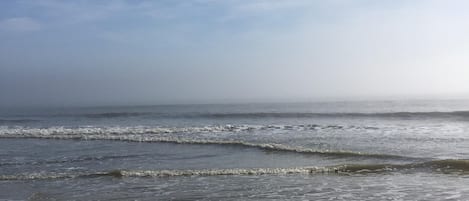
{"type": "Point", "coordinates": [71, 53]}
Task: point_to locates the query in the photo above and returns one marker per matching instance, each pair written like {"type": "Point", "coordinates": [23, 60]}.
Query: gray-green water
{"type": "Point", "coordinates": [393, 150]}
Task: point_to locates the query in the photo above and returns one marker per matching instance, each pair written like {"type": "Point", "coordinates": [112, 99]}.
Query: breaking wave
{"type": "Point", "coordinates": [141, 134]}
{"type": "Point", "coordinates": [116, 130]}
{"type": "Point", "coordinates": [443, 166]}
{"type": "Point", "coordinates": [120, 130]}
{"type": "Point", "coordinates": [450, 166]}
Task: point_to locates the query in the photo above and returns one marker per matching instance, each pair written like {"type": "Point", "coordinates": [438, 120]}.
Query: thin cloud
{"type": "Point", "coordinates": [78, 11]}
{"type": "Point", "coordinates": [85, 11]}
{"type": "Point", "coordinates": [21, 24]}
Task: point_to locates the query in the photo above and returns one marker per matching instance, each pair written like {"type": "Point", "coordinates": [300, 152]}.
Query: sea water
{"type": "Point", "coordinates": [361, 150]}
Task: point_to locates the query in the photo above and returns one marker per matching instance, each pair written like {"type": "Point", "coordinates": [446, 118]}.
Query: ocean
{"type": "Point", "coordinates": [357, 150]}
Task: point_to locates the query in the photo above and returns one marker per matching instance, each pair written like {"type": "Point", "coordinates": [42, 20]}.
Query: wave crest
{"type": "Point", "coordinates": [120, 130]}
{"type": "Point", "coordinates": [145, 135]}
{"type": "Point", "coordinates": [450, 166]}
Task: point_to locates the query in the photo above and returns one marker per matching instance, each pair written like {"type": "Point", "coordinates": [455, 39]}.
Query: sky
{"type": "Point", "coordinates": [87, 52]}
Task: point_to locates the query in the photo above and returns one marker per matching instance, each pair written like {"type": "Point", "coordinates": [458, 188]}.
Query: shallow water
{"type": "Point", "coordinates": [401, 150]}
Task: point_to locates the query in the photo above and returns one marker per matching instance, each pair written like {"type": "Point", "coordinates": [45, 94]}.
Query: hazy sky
{"type": "Point", "coordinates": [145, 52]}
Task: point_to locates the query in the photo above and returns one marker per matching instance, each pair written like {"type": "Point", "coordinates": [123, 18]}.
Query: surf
{"type": "Point", "coordinates": [151, 137]}
{"type": "Point", "coordinates": [448, 166]}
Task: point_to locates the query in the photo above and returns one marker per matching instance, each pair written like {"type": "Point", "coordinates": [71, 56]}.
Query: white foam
{"type": "Point", "coordinates": [143, 134]}
{"type": "Point", "coordinates": [173, 173]}
{"type": "Point", "coordinates": [216, 172]}
{"type": "Point", "coordinates": [105, 134]}
{"type": "Point", "coordinates": [36, 176]}
{"type": "Point", "coordinates": [121, 130]}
